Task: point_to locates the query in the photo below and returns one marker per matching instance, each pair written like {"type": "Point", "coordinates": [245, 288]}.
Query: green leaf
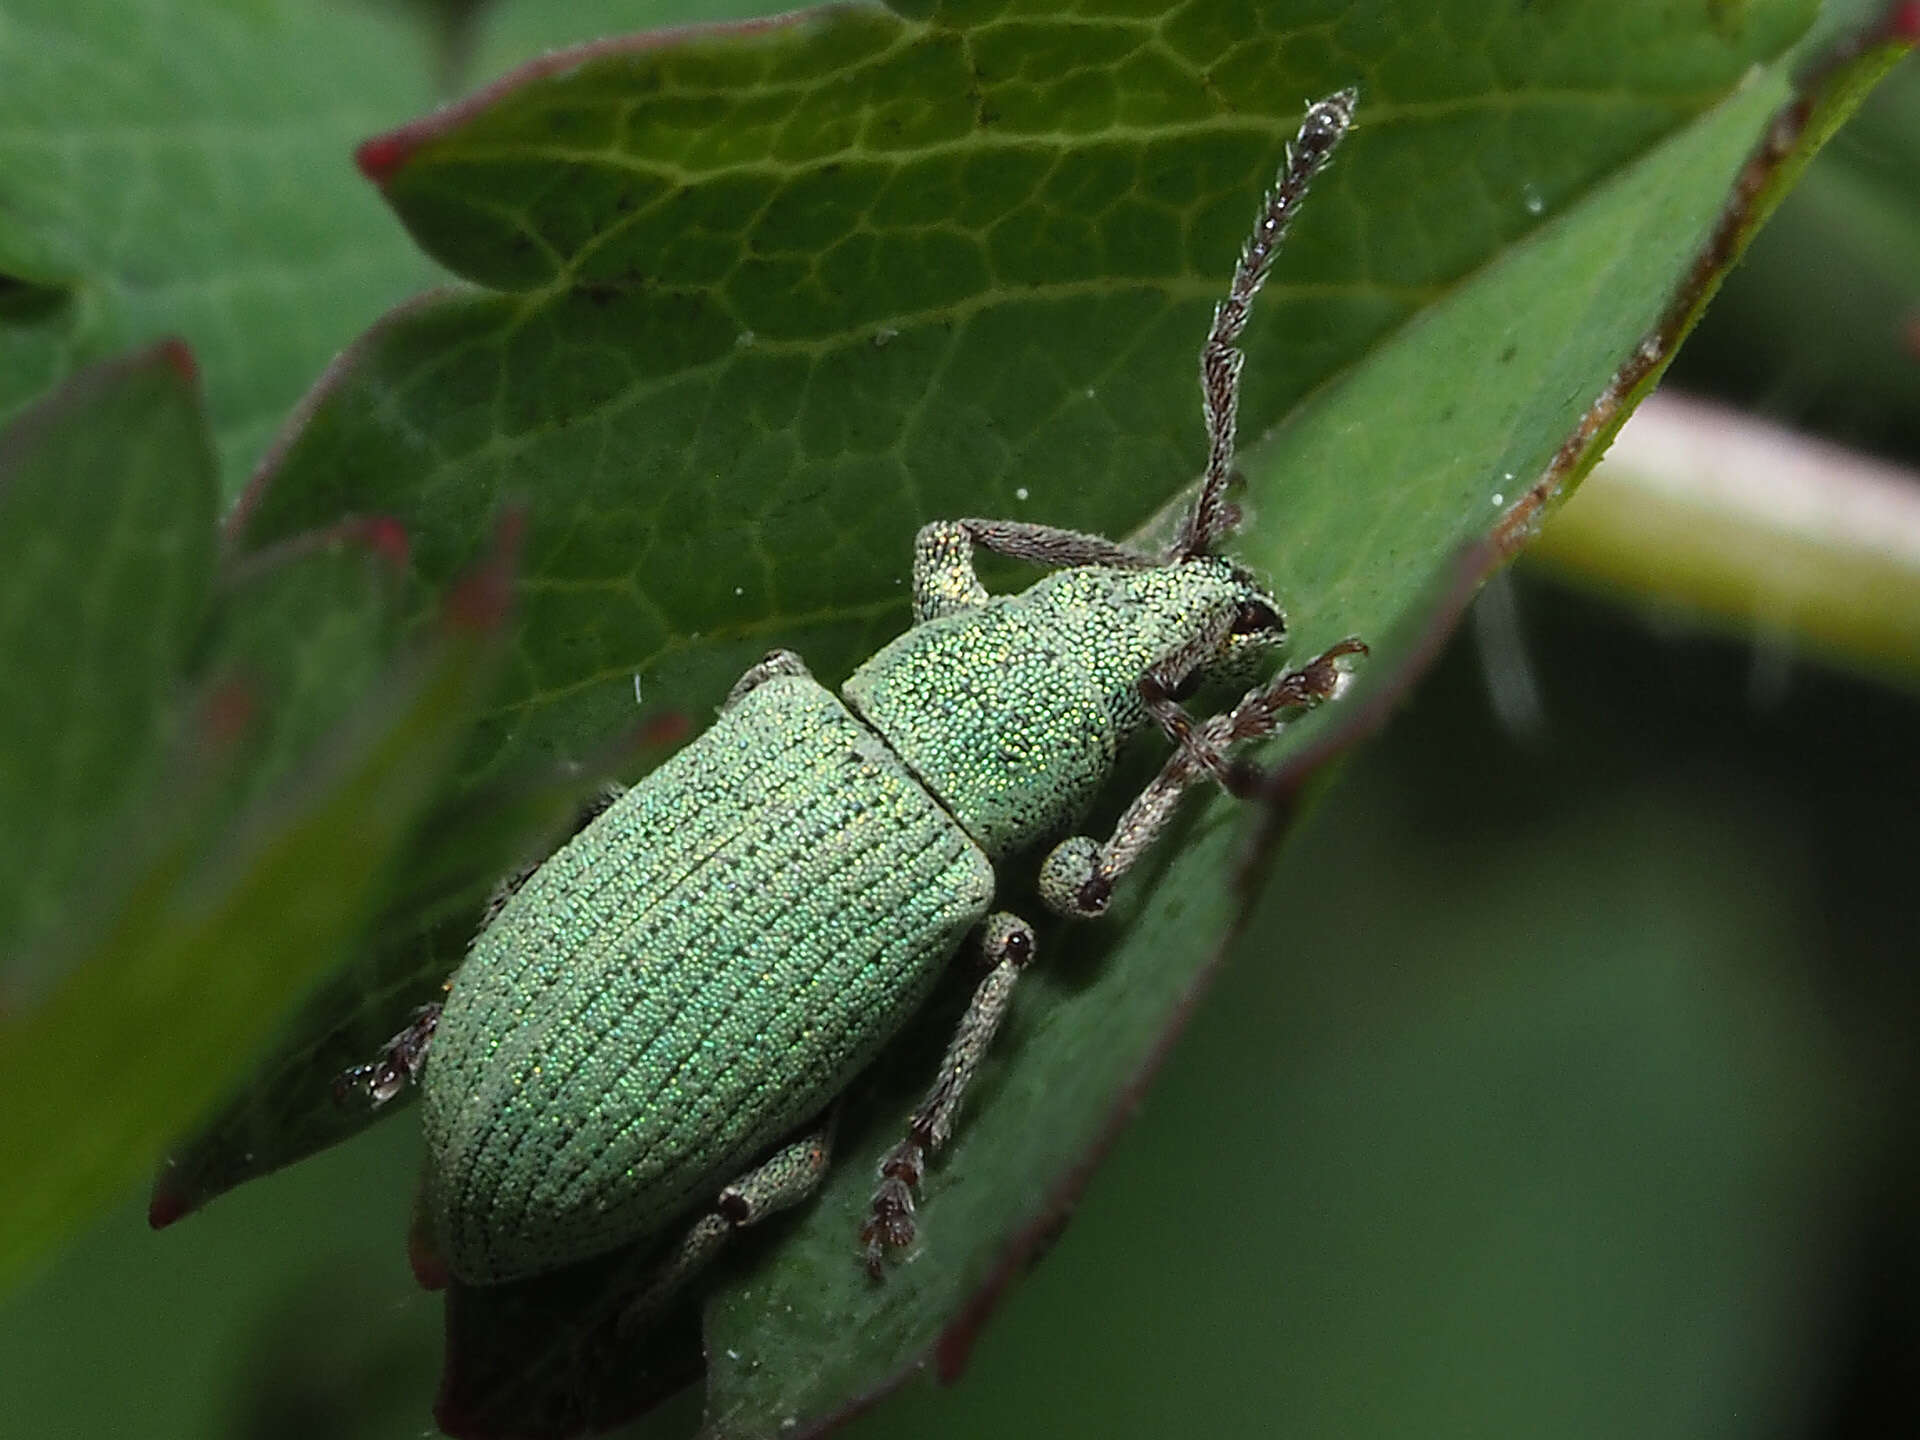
{"type": "Point", "coordinates": [106, 559]}
{"type": "Point", "coordinates": [182, 167]}
{"type": "Point", "coordinates": [776, 295]}
{"type": "Point", "coordinates": [1476, 398]}
{"type": "Point", "coordinates": [194, 949]}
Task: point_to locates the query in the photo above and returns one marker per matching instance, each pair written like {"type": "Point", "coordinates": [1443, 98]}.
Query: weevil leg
{"type": "Point", "coordinates": [778, 662]}
{"type": "Point", "coordinates": [1077, 877]}
{"type": "Point", "coordinates": [780, 1182]}
{"type": "Point", "coordinates": [399, 1064]}
{"type": "Point", "coordinates": [944, 580]}
{"type": "Point", "coordinates": [1007, 945]}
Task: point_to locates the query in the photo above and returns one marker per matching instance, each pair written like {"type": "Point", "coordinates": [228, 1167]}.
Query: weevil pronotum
{"type": "Point", "coordinates": [658, 1020]}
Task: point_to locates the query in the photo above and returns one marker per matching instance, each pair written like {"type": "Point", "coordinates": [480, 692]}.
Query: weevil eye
{"type": "Point", "coordinates": [1255, 617]}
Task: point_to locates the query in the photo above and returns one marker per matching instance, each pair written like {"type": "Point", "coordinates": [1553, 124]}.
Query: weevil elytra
{"type": "Point", "coordinates": [657, 1020]}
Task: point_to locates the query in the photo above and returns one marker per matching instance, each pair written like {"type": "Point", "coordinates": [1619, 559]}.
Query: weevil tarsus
{"type": "Point", "coordinates": [398, 1064]}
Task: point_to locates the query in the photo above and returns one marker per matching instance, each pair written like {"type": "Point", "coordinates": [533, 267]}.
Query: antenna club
{"type": "Point", "coordinates": [1325, 123]}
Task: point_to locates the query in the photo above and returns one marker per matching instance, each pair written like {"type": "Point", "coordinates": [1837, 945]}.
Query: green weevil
{"type": "Point", "coordinates": [658, 1021]}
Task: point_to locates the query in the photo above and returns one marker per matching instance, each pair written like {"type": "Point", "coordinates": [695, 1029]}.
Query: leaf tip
{"type": "Point", "coordinates": [1904, 22]}
{"type": "Point", "coordinates": [380, 158]}
{"type": "Point", "coordinates": [479, 603]}
{"type": "Point", "coordinates": [169, 1201]}
{"type": "Point", "coordinates": [228, 712]}
{"type": "Point", "coordinates": [386, 537]}
{"type": "Point", "coordinates": [177, 355]}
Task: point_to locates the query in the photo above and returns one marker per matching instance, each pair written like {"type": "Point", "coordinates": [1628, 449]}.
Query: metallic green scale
{"type": "Point", "coordinates": [696, 974]}
{"type": "Point", "coordinates": [1013, 712]}
{"type": "Point", "coordinates": [710, 961]}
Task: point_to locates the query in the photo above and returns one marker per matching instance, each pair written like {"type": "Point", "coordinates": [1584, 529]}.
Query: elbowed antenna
{"type": "Point", "coordinates": [1211, 516]}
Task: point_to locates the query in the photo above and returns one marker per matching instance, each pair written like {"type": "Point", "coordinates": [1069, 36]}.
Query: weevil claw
{"type": "Point", "coordinates": [400, 1063]}
{"type": "Point", "coordinates": [890, 1225]}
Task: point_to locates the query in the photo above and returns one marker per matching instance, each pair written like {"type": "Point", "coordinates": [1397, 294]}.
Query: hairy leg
{"type": "Point", "coordinates": [1006, 944]}
{"type": "Point", "coordinates": [1077, 877]}
{"type": "Point", "coordinates": [944, 581]}
{"type": "Point", "coordinates": [781, 1181]}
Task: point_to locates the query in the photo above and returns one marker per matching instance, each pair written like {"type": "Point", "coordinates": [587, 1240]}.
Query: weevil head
{"type": "Point", "coordinates": [1192, 621]}
{"type": "Point", "coordinates": [1231, 603]}
{"type": "Point", "coordinates": [1014, 713]}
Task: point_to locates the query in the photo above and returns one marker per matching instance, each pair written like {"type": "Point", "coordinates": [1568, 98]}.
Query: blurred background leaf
{"type": "Point", "coordinates": [202, 928]}
{"type": "Point", "coordinates": [106, 561]}
{"type": "Point", "coordinates": [1725, 518]}
{"type": "Point", "coordinates": [181, 167]}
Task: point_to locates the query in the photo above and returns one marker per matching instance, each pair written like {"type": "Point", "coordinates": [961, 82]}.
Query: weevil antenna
{"type": "Point", "coordinates": [1220, 362]}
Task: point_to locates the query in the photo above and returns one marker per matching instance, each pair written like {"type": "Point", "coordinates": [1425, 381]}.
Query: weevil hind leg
{"type": "Point", "coordinates": [1077, 877]}
{"type": "Point", "coordinates": [1007, 946]}
{"type": "Point", "coordinates": [945, 582]}
{"type": "Point", "coordinates": [778, 1183]}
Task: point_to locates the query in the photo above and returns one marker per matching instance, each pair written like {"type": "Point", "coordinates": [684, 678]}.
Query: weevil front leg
{"type": "Point", "coordinates": [944, 580]}
{"type": "Point", "coordinates": [1077, 877]}
{"type": "Point", "coordinates": [1007, 946]}
{"type": "Point", "coordinates": [780, 1182]}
